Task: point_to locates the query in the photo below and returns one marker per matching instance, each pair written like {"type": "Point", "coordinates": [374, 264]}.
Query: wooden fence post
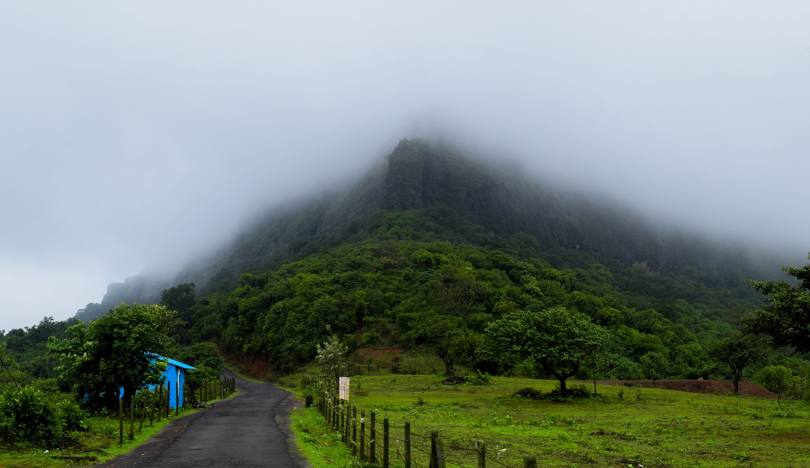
{"type": "Point", "coordinates": [362, 435]}
{"type": "Point", "coordinates": [385, 443]}
{"type": "Point", "coordinates": [436, 452]}
{"type": "Point", "coordinates": [120, 419]}
{"type": "Point", "coordinates": [160, 403]}
{"type": "Point", "coordinates": [143, 415]}
{"type": "Point", "coordinates": [347, 422]}
{"type": "Point", "coordinates": [354, 430]}
{"type": "Point", "coordinates": [529, 462]}
{"type": "Point", "coordinates": [336, 419]}
{"type": "Point", "coordinates": [372, 439]}
{"type": "Point", "coordinates": [407, 445]}
{"type": "Point", "coordinates": [481, 448]}
{"type": "Point", "coordinates": [177, 397]}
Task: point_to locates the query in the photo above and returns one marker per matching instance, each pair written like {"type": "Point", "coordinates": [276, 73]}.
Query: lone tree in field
{"type": "Point", "coordinates": [114, 351]}
{"type": "Point", "coordinates": [786, 316]}
{"type": "Point", "coordinates": [738, 353]}
{"type": "Point", "coordinates": [331, 357]}
{"type": "Point", "coordinates": [559, 340]}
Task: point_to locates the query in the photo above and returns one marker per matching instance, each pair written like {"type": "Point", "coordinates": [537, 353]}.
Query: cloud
{"type": "Point", "coordinates": [134, 135]}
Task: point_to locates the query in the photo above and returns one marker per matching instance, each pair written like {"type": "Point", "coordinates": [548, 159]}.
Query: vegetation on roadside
{"type": "Point", "coordinates": [320, 446]}
{"type": "Point", "coordinates": [67, 413]}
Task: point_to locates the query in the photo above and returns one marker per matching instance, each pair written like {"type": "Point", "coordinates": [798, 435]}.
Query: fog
{"type": "Point", "coordinates": [134, 135]}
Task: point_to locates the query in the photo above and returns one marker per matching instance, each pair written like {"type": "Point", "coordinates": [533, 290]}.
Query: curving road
{"type": "Point", "coordinates": [250, 430]}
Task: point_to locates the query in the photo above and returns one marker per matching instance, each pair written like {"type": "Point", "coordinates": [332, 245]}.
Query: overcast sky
{"type": "Point", "coordinates": [134, 134]}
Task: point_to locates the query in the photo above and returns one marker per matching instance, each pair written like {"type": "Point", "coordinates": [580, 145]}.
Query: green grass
{"type": "Point", "coordinates": [653, 427]}
{"type": "Point", "coordinates": [318, 445]}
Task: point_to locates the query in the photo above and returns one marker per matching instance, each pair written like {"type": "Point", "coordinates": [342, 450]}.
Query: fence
{"type": "Point", "coordinates": [155, 404]}
{"type": "Point", "coordinates": [400, 443]}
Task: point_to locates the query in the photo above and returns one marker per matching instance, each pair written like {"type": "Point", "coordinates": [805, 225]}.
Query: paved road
{"type": "Point", "coordinates": [247, 431]}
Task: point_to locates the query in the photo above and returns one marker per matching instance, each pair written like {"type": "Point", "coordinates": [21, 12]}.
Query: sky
{"type": "Point", "coordinates": [135, 135]}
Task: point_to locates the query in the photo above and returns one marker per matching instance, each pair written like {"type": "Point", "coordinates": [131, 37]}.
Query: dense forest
{"type": "Point", "coordinates": [432, 245]}
{"type": "Point", "coordinates": [428, 251]}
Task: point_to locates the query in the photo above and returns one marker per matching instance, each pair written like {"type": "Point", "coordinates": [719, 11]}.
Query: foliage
{"type": "Point", "coordinates": [786, 316]}
{"type": "Point", "coordinates": [116, 350]}
{"type": "Point", "coordinates": [180, 299]}
{"type": "Point", "coordinates": [654, 365]}
{"type": "Point", "coordinates": [775, 378]}
{"type": "Point", "coordinates": [561, 341]}
{"type": "Point", "coordinates": [331, 358]}
{"type": "Point", "coordinates": [739, 352]}
{"type": "Point", "coordinates": [208, 364]}
{"type": "Point", "coordinates": [28, 416]}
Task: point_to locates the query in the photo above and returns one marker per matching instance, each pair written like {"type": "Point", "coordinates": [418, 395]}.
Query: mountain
{"type": "Point", "coordinates": [463, 200]}
{"type": "Point", "coordinates": [431, 235]}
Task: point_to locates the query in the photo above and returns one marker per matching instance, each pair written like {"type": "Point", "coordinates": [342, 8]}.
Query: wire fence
{"type": "Point", "coordinates": [400, 446]}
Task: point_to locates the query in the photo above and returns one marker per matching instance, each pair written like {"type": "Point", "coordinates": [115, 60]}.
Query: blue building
{"type": "Point", "coordinates": [174, 379]}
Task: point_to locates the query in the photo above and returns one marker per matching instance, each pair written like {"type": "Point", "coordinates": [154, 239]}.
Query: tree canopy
{"type": "Point", "coordinates": [114, 351]}
{"type": "Point", "coordinates": [786, 316]}
{"type": "Point", "coordinates": [559, 340]}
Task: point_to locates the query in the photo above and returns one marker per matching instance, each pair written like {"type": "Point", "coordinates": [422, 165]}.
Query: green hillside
{"type": "Point", "coordinates": [431, 240]}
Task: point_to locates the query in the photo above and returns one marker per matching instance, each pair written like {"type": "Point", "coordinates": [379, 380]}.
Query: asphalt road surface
{"type": "Point", "coordinates": [250, 430]}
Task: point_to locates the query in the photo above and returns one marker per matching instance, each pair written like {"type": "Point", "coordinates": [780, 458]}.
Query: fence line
{"type": "Point", "coordinates": [342, 417]}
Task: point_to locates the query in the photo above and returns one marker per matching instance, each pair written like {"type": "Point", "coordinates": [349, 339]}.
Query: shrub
{"type": "Point", "coordinates": [70, 416]}
{"type": "Point", "coordinates": [26, 416]}
{"type": "Point", "coordinates": [29, 416]}
{"type": "Point", "coordinates": [576, 392]}
{"type": "Point", "coordinates": [528, 392]}
{"type": "Point", "coordinates": [479, 378]}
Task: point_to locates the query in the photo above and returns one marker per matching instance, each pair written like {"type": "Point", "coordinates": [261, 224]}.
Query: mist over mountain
{"type": "Point", "coordinates": [461, 199]}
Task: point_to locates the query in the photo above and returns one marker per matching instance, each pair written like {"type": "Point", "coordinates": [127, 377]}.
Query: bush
{"type": "Point", "coordinates": [29, 416]}
{"type": "Point", "coordinates": [70, 416]}
{"type": "Point", "coordinates": [528, 392]}
{"type": "Point", "coordinates": [26, 416]}
{"type": "Point", "coordinates": [479, 378]}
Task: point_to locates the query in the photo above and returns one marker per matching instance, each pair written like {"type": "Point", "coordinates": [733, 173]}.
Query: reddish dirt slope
{"type": "Point", "coordinates": [719, 387]}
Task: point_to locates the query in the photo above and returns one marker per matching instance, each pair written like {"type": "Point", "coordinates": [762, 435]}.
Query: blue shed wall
{"type": "Point", "coordinates": [172, 375]}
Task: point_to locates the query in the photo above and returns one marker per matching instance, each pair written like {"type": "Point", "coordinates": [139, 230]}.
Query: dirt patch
{"type": "Point", "coordinates": [379, 354]}
{"type": "Point", "coordinates": [717, 387]}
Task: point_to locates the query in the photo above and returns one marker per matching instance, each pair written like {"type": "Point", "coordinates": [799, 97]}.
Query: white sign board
{"type": "Point", "coordinates": [343, 388]}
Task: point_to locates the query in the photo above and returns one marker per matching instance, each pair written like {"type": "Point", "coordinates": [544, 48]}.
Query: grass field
{"type": "Point", "coordinates": [647, 426]}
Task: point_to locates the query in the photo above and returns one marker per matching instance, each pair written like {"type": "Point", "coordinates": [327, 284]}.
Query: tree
{"type": "Point", "coordinates": [775, 378]}
{"type": "Point", "coordinates": [453, 343]}
{"type": "Point", "coordinates": [207, 362]}
{"type": "Point", "coordinates": [739, 352]}
{"type": "Point", "coordinates": [786, 316]}
{"type": "Point", "coordinates": [331, 356]}
{"type": "Point", "coordinates": [183, 300]}
{"type": "Point", "coordinates": [559, 340]}
{"type": "Point", "coordinates": [114, 351]}
{"type": "Point", "coordinates": [10, 373]}
{"type": "Point", "coordinates": [655, 365]}
{"type": "Point", "coordinates": [180, 298]}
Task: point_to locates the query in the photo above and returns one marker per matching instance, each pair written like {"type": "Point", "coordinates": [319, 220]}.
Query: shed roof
{"type": "Point", "coordinates": [175, 362]}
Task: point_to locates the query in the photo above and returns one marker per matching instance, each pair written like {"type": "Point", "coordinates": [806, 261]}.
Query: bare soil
{"type": "Point", "coordinates": [717, 387]}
